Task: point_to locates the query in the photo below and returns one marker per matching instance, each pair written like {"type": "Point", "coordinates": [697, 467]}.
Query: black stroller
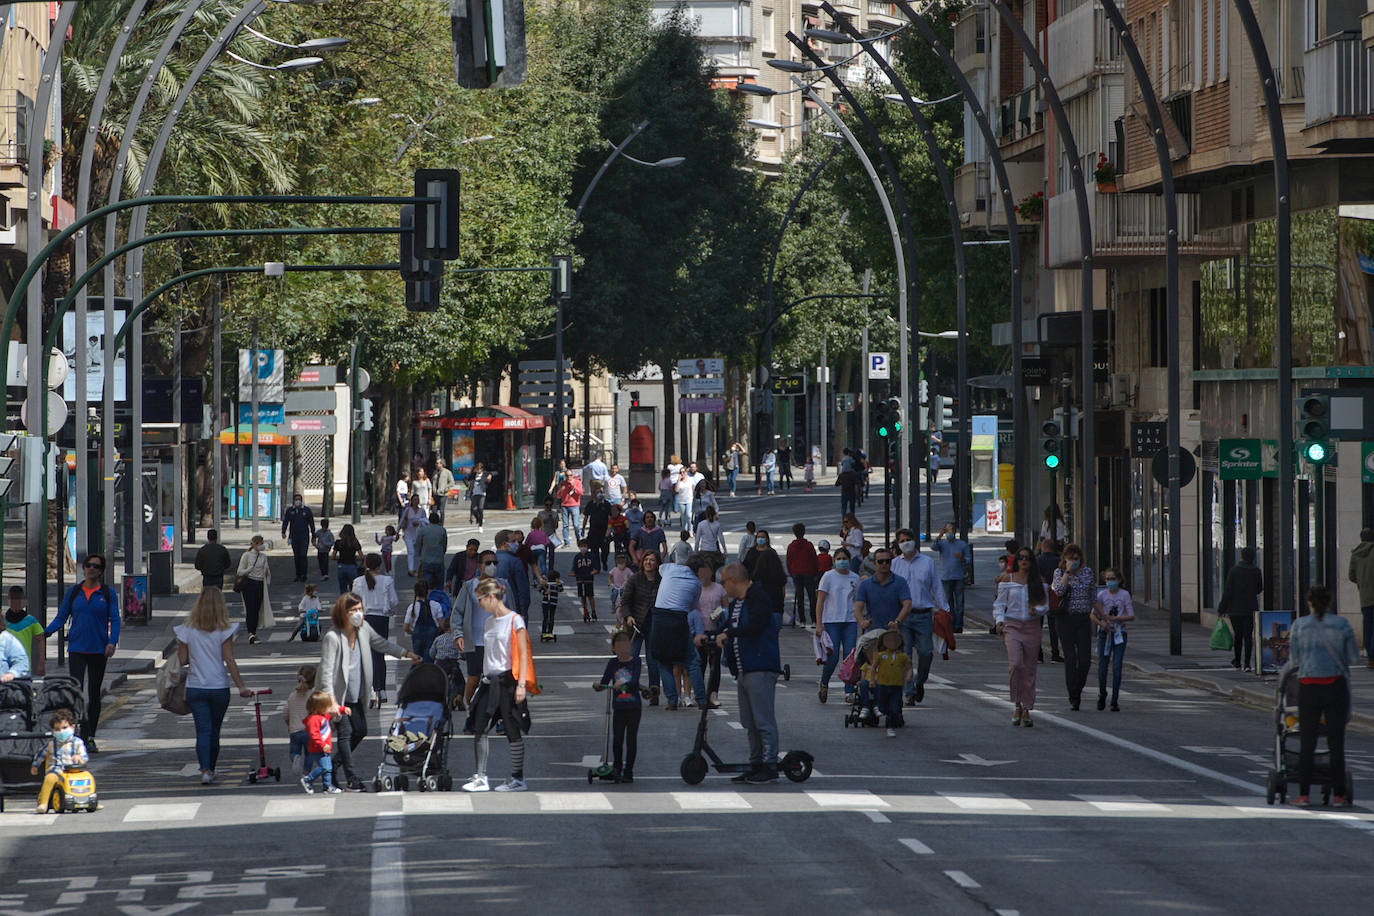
{"type": "Point", "coordinates": [1286, 759]}
{"type": "Point", "coordinates": [416, 744]}
{"type": "Point", "coordinates": [25, 707]}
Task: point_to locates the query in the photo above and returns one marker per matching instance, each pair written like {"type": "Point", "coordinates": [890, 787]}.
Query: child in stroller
{"type": "Point", "coordinates": [416, 744]}
{"type": "Point", "coordinates": [450, 660]}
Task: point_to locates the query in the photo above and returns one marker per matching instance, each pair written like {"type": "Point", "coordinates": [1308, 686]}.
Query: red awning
{"type": "Point", "coordinates": [496, 418]}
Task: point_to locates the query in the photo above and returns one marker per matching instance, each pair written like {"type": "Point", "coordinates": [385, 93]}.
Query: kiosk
{"type": "Point", "coordinates": [507, 440]}
{"type": "Point", "coordinates": [238, 491]}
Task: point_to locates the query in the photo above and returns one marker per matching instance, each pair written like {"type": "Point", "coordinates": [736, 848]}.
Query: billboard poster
{"type": "Point", "coordinates": [94, 333]}
{"type": "Point", "coordinates": [271, 371]}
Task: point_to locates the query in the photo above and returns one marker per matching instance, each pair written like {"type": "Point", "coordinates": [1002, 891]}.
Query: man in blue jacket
{"type": "Point", "coordinates": [298, 527]}
{"type": "Point", "coordinates": [511, 568]}
{"type": "Point", "coordinates": [756, 662]}
{"type": "Point", "coordinates": [94, 612]}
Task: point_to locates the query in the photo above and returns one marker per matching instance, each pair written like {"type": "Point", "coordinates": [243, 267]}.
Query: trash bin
{"type": "Point", "coordinates": [160, 572]}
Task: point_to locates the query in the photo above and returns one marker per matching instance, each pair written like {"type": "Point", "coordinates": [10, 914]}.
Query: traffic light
{"type": "Point", "coordinates": [488, 43]}
{"type": "Point", "coordinates": [634, 398]}
{"type": "Point", "coordinates": [366, 418]}
{"type": "Point", "coordinates": [436, 224]}
{"type": "Point", "coordinates": [882, 419]}
{"type": "Point", "coordinates": [946, 420]}
{"type": "Point", "coordinates": [937, 411]}
{"type": "Point", "coordinates": [1314, 427]}
{"type": "Point", "coordinates": [925, 391]}
{"type": "Point", "coordinates": [894, 406]}
{"type": "Point", "coordinates": [1051, 445]}
{"type": "Point", "coordinates": [423, 276]}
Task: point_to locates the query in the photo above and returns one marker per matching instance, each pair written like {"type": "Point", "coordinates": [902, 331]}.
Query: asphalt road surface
{"type": "Point", "coordinates": [1157, 808]}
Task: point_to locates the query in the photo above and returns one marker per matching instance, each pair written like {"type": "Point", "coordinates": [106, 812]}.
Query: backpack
{"type": "Point", "coordinates": [310, 626]}
{"type": "Point", "coordinates": [443, 599]}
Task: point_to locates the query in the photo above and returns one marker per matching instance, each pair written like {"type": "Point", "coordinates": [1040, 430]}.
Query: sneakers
{"type": "Point", "coordinates": [91, 748]}
{"type": "Point", "coordinates": [672, 706]}
{"type": "Point", "coordinates": [911, 700]}
{"type": "Point", "coordinates": [356, 785]}
{"type": "Point", "coordinates": [253, 639]}
{"type": "Point", "coordinates": [478, 783]}
{"type": "Point", "coordinates": [822, 693]}
{"type": "Point", "coordinates": [1340, 801]}
{"type": "Point", "coordinates": [512, 785]}
{"type": "Point", "coordinates": [742, 777]}
{"type": "Point", "coordinates": [712, 702]}
{"type": "Point", "coordinates": [762, 776]}
{"type": "Point", "coordinates": [207, 777]}
{"type": "Point", "coordinates": [305, 784]}
{"type": "Point", "coordinates": [1116, 708]}
{"type": "Point", "coordinates": [1302, 801]}
{"type": "Point", "coordinates": [892, 732]}
{"type": "Point", "coordinates": [920, 692]}
{"type": "Point", "coordinates": [628, 775]}
{"type": "Point", "coordinates": [333, 790]}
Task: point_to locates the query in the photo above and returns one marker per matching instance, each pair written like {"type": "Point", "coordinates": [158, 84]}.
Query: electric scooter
{"type": "Point", "coordinates": [795, 765]}
{"type": "Point", "coordinates": [262, 772]}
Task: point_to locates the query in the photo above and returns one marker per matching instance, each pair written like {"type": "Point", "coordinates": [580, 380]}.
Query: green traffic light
{"type": "Point", "coordinates": [882, 431]}
{"type": "Point", "coordinates": [1315, 452]}
{"type": "Point", "coordinates": [1052, 462]}
{"type": "Point", "coordinates": [897, 427]}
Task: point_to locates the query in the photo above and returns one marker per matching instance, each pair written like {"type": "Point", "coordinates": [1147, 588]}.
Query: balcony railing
{"type": "Point", "coordinates": [1084, 43]}
{"type": "Point", "coordinates": [1338, 68]}
{"type": "Point", "coordinates": [1021, 116]}
{"type": "Point", "coordinates": [1128, 226]}
{"type": "Point", "coordinates": [878, 8]}
{"type": "Point", "coordinates": [730, 51]}
{"type": "Point", "coordinates": [970, 35]}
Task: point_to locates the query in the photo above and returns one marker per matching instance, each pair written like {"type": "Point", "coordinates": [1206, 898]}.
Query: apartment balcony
{"type": "Point", "coordinates": [970, 39]}
{"type": "Point", "coordinates": [1085, 45]}
{"type": "Point", "coordinates": [1129, 227]}
{"type": "Point", "coordinates": [1022, 124]}
{"type": "Point", "coordinates": [973, 190]}
{"type": "Point", "coordinates": [731, 55]}
{"type": "Point", "coordinates": [884, 16]}
{"type": "Point", "coordinates": [1338, 104]}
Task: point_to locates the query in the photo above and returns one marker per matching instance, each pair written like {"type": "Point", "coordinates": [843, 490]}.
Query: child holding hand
{"type": "Point", "coordinates": [320, 742]}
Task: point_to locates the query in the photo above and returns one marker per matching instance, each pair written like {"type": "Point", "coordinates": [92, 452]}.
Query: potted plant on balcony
{"type": "Point", "coordinates": [1032, 208]}
{"type": "Point", "coordinates": [1105, 175]}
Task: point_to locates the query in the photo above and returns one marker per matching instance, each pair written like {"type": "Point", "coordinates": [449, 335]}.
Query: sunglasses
{"type": "Point", "coordinates": [93, 566]}
{"type": "Point", "coordinates": [882, 562]}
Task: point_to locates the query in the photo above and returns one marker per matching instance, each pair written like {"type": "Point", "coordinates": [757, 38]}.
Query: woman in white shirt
{"type": "Point", "coordinates": [423, 489]}
{"type": "Point", "coordinates": [710, 539]}
{"type": "Point", "coordinates": [835, 611]}
{"type": "Point", "coordinates": [1021, 602]}
{"type": "Point", "coordinates": [379, 596]}
{"type": "Point", "coordinates": [205, 643]}
{"type": "Point", "coordinates": [254, 574]}
{"type": "Point", "coordinates": [684, 489]}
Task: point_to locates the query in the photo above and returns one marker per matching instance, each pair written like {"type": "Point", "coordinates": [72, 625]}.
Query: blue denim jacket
{"type": "Point", "coordinates": [1322, 647]}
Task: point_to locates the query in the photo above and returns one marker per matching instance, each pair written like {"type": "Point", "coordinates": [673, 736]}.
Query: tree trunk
{"type": "Point", "coordinates": [669, 433]}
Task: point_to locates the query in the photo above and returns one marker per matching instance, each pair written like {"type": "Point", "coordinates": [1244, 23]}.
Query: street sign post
{"type": "Point", "coordinates": [1240, 459]}
{"type": "Point", "coordinates": [309, 426]}
{"type": "Point", "coordinates": [880, 365]}
{"type": "Point", "coordinates": [701, 405]}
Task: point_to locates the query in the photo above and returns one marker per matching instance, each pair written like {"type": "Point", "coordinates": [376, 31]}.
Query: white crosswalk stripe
{"type": "Point", "coordinates": [303, 807]}
{"type": "Point", "coordinates": [710, 801]}
{"type": "Point", "coordinates": [574, 801]}
{"type": "Point", "coordinates": [991, 802]}
{"type": "Point", "coordinates": [172, 812]}
{"type": "Point", "coordinates": [857, 800]}
{"type": "Point", "coordinates": [1122, 803]}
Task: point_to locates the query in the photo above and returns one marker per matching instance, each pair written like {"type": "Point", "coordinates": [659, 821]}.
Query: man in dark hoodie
{"type": "Point", "coordinates": [1362, 574]}
{"type": "Point", "coordinates": [1240, 602]}
{"type": "Point", "coordinates": [756, 662]}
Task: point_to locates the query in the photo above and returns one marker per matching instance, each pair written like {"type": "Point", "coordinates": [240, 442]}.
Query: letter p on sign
{"type": "Point", "coordinates": [879, 366]}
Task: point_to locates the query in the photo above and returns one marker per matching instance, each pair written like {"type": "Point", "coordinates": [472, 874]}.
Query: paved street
{"type": "Point", "coordinates": [1157, 807]}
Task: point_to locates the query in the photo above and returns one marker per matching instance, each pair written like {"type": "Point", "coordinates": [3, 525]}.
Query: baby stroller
{"type": "Point", "coordinates": [416, 744]}
{"type": "Point", "coordinates": [1286, 759]}
{"type": "Point", "coordinates": [859, 714]}
{"type": "Point", "coordinates": [25, 707]}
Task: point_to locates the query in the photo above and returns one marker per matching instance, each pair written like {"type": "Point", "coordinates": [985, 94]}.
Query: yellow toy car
{"type": "Point", "coordinates": [75, 791]}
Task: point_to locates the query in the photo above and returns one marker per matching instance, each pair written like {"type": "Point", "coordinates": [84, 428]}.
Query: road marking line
{"type": "Point", "coordinates": [388, 868]}
{"type": "Point", "coordinates": [573, 801]}
{"type": "Point", "coordinates": [876, 817]}
{"type": "Point", "coordinates": [916, 846]}
{"type": "Point", "coordinates": [1140, 749]}
{"type": "Point", "coordinates": [185, 812]}
{"type": "Point", "coordinates": [858, 800]}
{"type": "Point", "coordinates": [962, 879]}
{"type": "Point", "coordinates": [300, 807]}
{"type": "Point", "coordinates": [709, 801]}
{"type": "Point", "coordinates": [996, 802]}
{"type": "Point", "coordinates": [436, 803]}
{"type": "Point", "coordinates": [1007, 912]}
{"type": "Point", "coordinates": [735, 725]}
{"type": "Point", "coordinates": [1116, 803]}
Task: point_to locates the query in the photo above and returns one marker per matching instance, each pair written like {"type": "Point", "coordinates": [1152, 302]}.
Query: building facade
{"type": "Point", "coordinates": [27, 27]}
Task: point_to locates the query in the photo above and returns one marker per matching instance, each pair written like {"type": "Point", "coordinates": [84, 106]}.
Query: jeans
{"type": "Point", "coordinates": [1244, 625]}
{"type": "Point", "coordinates": [572, 523]}
{"type": "Point", "coordinates": [440, 506]}
{"type": "Point", "coordinates": [90, 668]}
{"type": "Point", "coordinates": [477, 507]}
{"type": "Point", "coordinates": [684, 515]}
{"type": "Point", "coordinates": [433, 573]}
{"type": "Point", "coordinates": [319, 766]}
{"type": "Point", "coordinates": [297, 742]}
{"type": "Point", "coordinates": [804, 586]}
{"type": "Point", "coordinates": [347, 572]}
{"type": "Point", "coordinates": [382, 624]}
{"type": "Point", "coordinates": [732, 475]}
{"type": "Point", "coordinates": [650, 662]}
{"type": "Point", "coordinates": [889, 703]}
{"type": "Point", "coordinates": [954, 593]}
{"type": "Point", "coordinates": [323, 556]}
{"type": "Point", "coordinates": [842, 637]}
{"type": "Point", "coordinates": [692, 662]}
{"type": "Point", "coordinates": [207, 708]}
{"type": "Point", "coordinates": [768, 476]}
{"type": "Point", "coordinates": [1075, 637]}
{"type": "Point", "coordinates": [918, 633]}
{"type": "Point", "coordinates": [756, 691]}
{"type": "Point", "coordinates": [849, 502]}
{"type": "Point", "coordinates": [1333, 702]}
{"type": "Point", "coordinates": [298, 548]}
{"type": "Point", "coordinates": [421, 638]}
{"type": "Point", "coordinates": [1117, 651]}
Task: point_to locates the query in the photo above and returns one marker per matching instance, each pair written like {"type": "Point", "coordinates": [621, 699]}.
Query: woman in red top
{"type": "Point", "coordinates": [805, 571]}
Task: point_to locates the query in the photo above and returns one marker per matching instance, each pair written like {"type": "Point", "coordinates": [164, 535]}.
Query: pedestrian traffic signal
{"type": "Point", "coordinates": [946, 420]}
{"type": "Point", "coordinates": [925, 391]}
{"type": "Point", "coordinates": [634, 398]}
{"type": "Point", "coordinates": [488, 43]}
{"type": "Point", "coordinates": [894, 406]}
{"type": "Point", "coordinates": [1314, 427]}
{"type": "Point", "coordinates": [1316, 451]}
{"type": "Point", "coordinates": [883, 419]}
{"type": "Point", "coordinates": [1051, 445]}
{"type": "Point", "coordinates": [436, 223]}
{"type": "Point", "coordinates": [366, 418]}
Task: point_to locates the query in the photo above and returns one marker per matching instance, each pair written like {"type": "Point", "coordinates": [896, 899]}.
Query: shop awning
{"type": "Point", "coordinates": [496, 418]}
{"type": "Point", "coordinates": [243, 435]}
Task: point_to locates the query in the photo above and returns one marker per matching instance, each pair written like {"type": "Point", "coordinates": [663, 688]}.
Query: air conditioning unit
{"type": "Point", "coordinates": [1123, 386]}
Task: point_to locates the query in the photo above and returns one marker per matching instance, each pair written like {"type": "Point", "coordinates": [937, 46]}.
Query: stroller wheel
{"type": "Point", "coordinates": [430, 784]}
{"type": "Point", "coordinates": [388, 784]}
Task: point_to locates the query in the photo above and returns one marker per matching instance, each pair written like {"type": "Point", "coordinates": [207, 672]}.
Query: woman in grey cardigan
{"type": "Point", "coordinates": [346, 675]}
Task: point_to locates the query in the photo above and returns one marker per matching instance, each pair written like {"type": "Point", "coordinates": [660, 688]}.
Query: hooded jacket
{"type": "Point", "coordinates": [1362, 571]}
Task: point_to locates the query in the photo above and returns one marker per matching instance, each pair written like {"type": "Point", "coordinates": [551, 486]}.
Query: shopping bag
{"type": "Point", "coordinates": [171, 686]}
{"type": "Point", "coordinates": [1222, 639]}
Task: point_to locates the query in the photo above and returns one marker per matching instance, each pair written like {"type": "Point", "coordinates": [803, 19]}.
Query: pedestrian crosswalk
{"type": "Point", "coordinates": [651, 797]}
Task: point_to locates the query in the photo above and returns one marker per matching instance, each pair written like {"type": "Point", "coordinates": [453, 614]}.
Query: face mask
{"type": "Point", "coordinates": [356, 618]}
{"type": "Point", "coordinates": [761, 542]}
{"type": "Point", "coordinates": [14, 616]}
{"type": "Point", "coordinates": [63, 734]}
{"type": "Point", "coordinates": [842, 565]}
{"type": "Point", "coordinates": [1074, 564]}
{"type": "Point", "coordinates": [906, 546]}
{"type": "Point", "coordinates": [489, 569]}
{"type": "Point", "coordinates": [1113, 584]}
{"type": "Point", "coordinates": [299, 504]}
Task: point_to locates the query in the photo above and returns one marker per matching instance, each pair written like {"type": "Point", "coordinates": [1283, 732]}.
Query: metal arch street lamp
{"type": "Point", "coordinates": [834, 36]}
{"type": "Point", "coordinates": [943, 335]}
{"type": "Point", "coordinates": [897, 97]}
{"type": "Point", "coordinates": [310, 44]}
{"type": "Point", "coordinates": [556, 450]}
{"type": "Point", "coordinates": [768, 92]}
{"type": "Point", "coordinates": [909, 483]}
{"type": "Point", "coordinates": [287, 66]}
{"type": "Point", "coordinates": [962, 458]}
{"type": "Point", "coordinates": [366, 101]}
{"type": "Point", "coordinates": [974, 106]}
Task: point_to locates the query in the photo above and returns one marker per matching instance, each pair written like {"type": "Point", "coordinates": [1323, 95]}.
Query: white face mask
{"type": "Point", "coordinates": [489, 569]}
{"type": "Point", "coordinates": [355, 618]}
{"type": "Point", "coordinates": [907, 547]}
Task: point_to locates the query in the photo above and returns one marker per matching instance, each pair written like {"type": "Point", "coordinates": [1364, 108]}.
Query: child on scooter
{"type": "Point", "coordinates": [309, 602]}
{"type": "Point", "coordinates": [622, 675]}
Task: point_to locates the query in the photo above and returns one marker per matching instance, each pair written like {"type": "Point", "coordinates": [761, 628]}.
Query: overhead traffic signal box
{"type": "Point", "coordinates": [1051, 445]}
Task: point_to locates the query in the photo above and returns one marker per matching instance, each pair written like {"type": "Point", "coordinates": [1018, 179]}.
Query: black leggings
{"type": "Point", "coordinates": [499, 703]}
{"type": "Point", "coordinates": [252, 602]}
{"type": "Point", "coordinates": [625, 735]}
{"type": "Point", "coordinates": [1314, 702]}
{"type": "Point", "coordinates": [90, 667]}
{"type": "Point", "coordinates": [382, 624]}
{"type": "Point", "coordinates": [1076, 639]}
{"type": "Point", "coordinates": [349, 732]}
{"type": "Point", "coordinates": [710, 665]}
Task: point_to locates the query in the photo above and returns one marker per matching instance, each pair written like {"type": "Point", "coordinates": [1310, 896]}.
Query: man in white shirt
{"type": "Point", "coordinates": [615, 487]}
{"type": "Point", "coordinates": [927, 595]}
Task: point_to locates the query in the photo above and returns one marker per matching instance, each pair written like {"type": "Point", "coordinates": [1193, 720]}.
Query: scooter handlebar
{"type": "Point", "coordinates": [263, 693]}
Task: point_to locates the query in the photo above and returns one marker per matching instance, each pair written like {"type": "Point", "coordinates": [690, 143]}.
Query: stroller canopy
{"type": "Point", "coordinates": [426, 682]}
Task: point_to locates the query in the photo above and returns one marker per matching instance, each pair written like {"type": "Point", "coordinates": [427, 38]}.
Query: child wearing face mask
{"type": "Point", "coordinates": [835, 611]}
{"type": "Point", "coordinates": [64, 750]}
{"type": "Point", "coordinates": [1111, 612]}
{"type": "Point", "coordinates": [294, 715]}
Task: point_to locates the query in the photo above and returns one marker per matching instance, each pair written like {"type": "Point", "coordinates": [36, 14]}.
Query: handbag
{"type": "Point", "coordinates": [171, 686]}
{"type": "Point", "coordinates": [1222, 640]}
